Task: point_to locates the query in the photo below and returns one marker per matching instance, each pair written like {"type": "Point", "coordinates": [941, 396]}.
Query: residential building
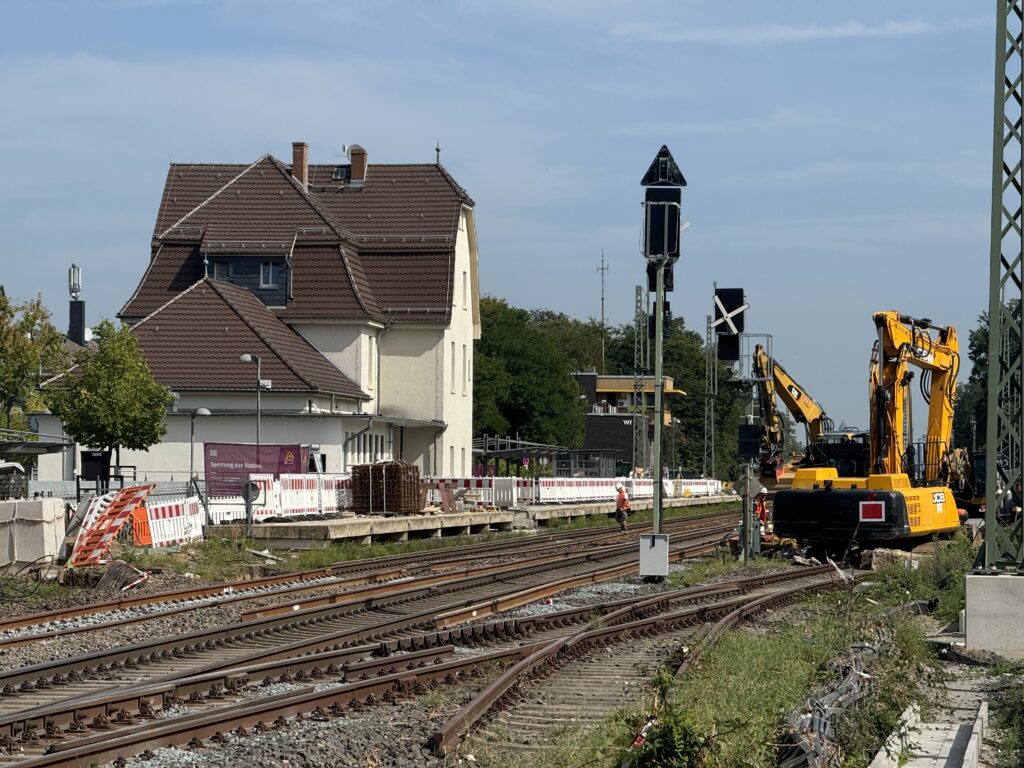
{"type": "Point", "coordinates": [355, 284]}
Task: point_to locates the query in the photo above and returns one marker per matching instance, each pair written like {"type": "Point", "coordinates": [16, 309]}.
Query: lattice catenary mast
{"type": "Point", "coordinates": [1005, 423]}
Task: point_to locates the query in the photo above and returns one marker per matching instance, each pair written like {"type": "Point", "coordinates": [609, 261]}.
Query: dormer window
{"type": "Point", "coordinates": [222, 270]}
{"type": "Point", "coordinates": [270, 274]}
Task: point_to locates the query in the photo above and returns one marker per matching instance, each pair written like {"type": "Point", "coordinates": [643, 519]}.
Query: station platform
{"type": "Point", "coordinates": [542, 513]}
{"type": "Point", "coordinates": [308, 534]}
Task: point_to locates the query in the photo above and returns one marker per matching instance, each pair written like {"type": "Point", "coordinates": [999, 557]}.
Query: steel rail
{"type": "Point", "coordinates": [455, 728]}
{"type": "Point", "coordinates": [373, 565]}
{"type": "Point", "coordinates": [58, 672]}
{"type": "Point", "coordinates": [329, 702]}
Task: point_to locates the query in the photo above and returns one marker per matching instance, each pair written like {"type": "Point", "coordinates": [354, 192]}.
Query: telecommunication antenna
{"type": "Point", "coordinates": [601, 270]}
{"type": "Point", "coordinates": [75, 282]}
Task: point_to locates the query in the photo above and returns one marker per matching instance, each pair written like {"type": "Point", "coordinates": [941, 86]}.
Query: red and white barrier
{"type": "Point", "coordinates": [311, 494]}
{"type": "Point", "coordinates": [175, 522]}
{"type": "Point", "coordinates": [300, 495]}
{"type": "Point", "coordinates": [335, 493]}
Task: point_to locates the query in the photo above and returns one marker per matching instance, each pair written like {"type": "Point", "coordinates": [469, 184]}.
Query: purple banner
{"type": "Point", "coordinates": [228, 465]}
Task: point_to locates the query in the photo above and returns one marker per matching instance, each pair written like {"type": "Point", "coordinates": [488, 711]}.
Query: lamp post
{"type": "Point", "coordinates": [192, 441]}
{"type": "Point", "coordinates": [259, 385]}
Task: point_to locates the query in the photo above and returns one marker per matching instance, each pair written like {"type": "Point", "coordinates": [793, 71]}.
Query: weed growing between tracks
{"type": "Point", "coordinates": [709, 569]}
{"type": "Point", "coordinates": [730, 710]}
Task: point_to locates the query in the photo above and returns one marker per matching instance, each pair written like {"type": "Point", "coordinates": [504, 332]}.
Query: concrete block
{"type": "Point", "coordinates": [994, 620]}
{"type": "Point", "coordinates": [31, 532]}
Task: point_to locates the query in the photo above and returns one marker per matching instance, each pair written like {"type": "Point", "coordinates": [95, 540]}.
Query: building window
{"type": "Point", "coordinates": [463, 465]}
{"type": "Point", "coordinates": [453, 376]}
{"type": "Point", "coordinates": [465, 370]}
{"type": "Point", "coordinates": [451, 461]}
{"type": "Point", "coordinates": [270, 274]}
{"type": "Point", "coordinates": [465, 304]}
{"type": "Point", "coordinates": [221, 270]}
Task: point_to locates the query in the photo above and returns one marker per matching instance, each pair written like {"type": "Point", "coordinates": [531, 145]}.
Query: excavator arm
{"type": "Point", "coordinates": [905, 341]}
{"type": "Point", "coordinates": [803, 407]}
{"type": "Point", "coordinates": [772, 380]}
{"type": "Point", "coordinates": [772, 428]}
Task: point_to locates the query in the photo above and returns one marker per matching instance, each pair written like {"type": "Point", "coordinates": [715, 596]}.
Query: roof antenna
{"type": "Point", "coordinates": [437, 150]}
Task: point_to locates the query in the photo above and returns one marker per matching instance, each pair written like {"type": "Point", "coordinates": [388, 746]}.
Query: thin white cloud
{"type": "Point", "coordinates": [778, 34]}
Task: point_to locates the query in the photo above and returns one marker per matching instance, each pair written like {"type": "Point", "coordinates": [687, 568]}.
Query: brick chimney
{"type": "Point", "coordinates": [300, 162]}
{"type": "Point", "coordinates": [357, 156]}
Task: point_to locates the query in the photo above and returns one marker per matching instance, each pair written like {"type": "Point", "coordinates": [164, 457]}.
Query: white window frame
{"type": "Point", "coordinates": [227, 269]}
{"type": "Point", "coordinates": [271, 264]}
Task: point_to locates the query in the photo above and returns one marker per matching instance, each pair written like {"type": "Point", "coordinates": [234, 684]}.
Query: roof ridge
{"type": "Point", "coordinates": [169, 302]}
{"type": "Point", "coordinates": [327, 219]}
{"type": "Point", "coordinates": [228, 300]}
{"type": "Point", "coordinates": [232, 181]}
{"type": "Point", "coordinates": [462, 193]}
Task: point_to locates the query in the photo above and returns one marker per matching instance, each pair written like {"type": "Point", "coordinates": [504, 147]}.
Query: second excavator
{"type": "Point", "coordinates": [846, 451]}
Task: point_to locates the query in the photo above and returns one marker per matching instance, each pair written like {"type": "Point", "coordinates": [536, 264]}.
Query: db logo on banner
{"type": "Point", "coordinates": [872, 511]}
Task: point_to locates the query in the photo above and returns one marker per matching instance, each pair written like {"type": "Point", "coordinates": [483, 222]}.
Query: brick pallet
{"type": "Point", "coordinates": [391, 488]}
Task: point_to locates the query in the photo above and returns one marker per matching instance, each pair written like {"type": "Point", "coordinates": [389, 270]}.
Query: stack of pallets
{"type": "Point", "coordinates": [387, 488]}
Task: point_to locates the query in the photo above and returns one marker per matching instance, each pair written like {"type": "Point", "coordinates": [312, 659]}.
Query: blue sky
{"type": "Point", "coordinates": [838, 155]}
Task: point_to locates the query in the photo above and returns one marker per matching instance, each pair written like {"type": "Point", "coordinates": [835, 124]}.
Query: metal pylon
{"type": "Point", "coordinates": [710, 392]}
{"type": "Point", "coordinates": [1003, 548]}
{"type": "Point", "coordinates": [640, 439]}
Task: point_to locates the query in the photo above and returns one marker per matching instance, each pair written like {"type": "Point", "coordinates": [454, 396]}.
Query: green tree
{"type": "Point", "coordinates": [30, 348]}
{"type": "Point", "coordinates": [523, 379]}
{"type": "Point", "coordinates": [109, 400]}
{"type": "Point", "coordinates": [972, 397]}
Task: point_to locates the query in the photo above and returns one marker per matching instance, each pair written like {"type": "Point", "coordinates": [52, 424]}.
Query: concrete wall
{"type": "Point", "coordinates": [31, 532]}
{"type": "Point", "coordinates": [993, 613]}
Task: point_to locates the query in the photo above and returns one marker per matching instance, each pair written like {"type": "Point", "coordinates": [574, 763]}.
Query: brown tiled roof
{"type": "Point", "coordinates": [384, 248]}
{"type": "Point", "coordinates": [194, 341]}
{"type": "Point", "coordinates": [173, 268]}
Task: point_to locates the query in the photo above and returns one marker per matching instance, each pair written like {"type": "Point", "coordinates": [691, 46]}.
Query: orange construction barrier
{"type": "Point", "coordinates": [141, 534]}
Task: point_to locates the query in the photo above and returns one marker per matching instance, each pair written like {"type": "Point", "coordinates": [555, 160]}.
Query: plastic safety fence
{"type": "Point", "coordinates": [94, 542]}
{"type": "Point", "coordinates": [502, 492]}
{"type": "Point", "coordinates": [292, 495]}
{"type": "Point", "coordinates": [391, 487]}
{"type": "Point", "coordinates": [175, 522]}
{"type": "Point", "coordinates": [576, 490]}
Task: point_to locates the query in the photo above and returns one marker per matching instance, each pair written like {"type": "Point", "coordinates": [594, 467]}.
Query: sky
{"type": "Point", "coordinates": [838, 155]}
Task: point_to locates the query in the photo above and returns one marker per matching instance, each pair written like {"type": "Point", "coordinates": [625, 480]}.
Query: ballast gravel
{"type": "Point", "coordinates": [388, 735]}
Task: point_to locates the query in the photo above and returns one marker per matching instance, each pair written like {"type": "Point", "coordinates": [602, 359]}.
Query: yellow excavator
{"type": "Point", "coordinates": [906, 495]}
{"type": "Point", "coordinates": [772, 379]}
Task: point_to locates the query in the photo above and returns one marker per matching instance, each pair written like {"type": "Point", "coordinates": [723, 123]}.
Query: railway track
{"type": "Point", "coordinates": [127, 721]}
{"type": "Point", "coordinates": [355, 617]}
{"type": "Point", "coordinates": [97, 617]}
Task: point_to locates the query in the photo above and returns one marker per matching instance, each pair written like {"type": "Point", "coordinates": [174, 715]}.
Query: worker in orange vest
{"type": "Point", "coordinates": [621, 506]}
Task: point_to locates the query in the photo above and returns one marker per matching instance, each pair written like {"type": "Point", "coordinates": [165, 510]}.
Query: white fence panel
{"type": "Point", "coordinates": [175, 522]}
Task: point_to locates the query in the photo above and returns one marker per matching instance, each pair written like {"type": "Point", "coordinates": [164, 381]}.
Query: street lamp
{"type": "Point", "coordinates": [255, 359]}
{"type": "Point", "coordinates": [192, 441]}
